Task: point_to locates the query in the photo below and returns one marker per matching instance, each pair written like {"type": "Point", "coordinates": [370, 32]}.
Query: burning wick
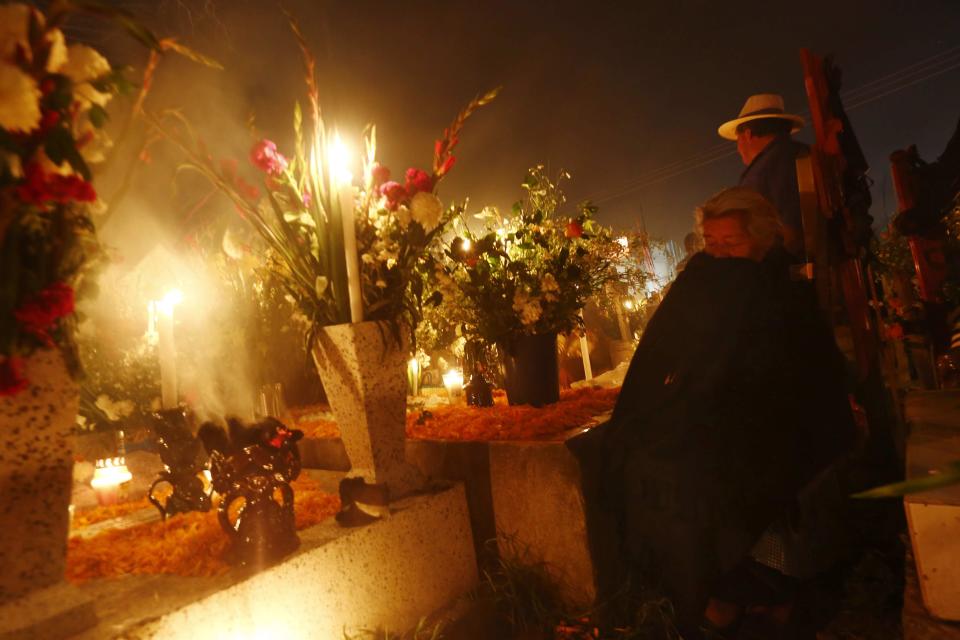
{"type": "Point", "coordinates": [108, 475]}
{"type": "Point", "coordinates": [453, 381]}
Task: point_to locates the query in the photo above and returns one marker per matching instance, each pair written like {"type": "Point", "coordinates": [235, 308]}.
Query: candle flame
{"type": "Point", "coordinates": [110, 472]}
{"type": "Point", "coordinates": [339, 158]}
{"type": "Point", "coordinates": [170, 300]}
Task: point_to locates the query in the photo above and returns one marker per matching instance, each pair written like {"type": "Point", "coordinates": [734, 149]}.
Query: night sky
{"type": "Point", "coordinates": [625, 96]}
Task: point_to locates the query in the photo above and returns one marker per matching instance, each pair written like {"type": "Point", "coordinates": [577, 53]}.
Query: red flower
{"type": "Point", "coordinates": [265, 157]}
{"type": "Point", "coordinates": [39, 187]}
{"type": "Point", "coordinates": [447, 165]}
{"type": "Point", "coordinates": [394, 192]}
{"type": "Point", "coordinates": [38, 314]}
{"type": "Point", "coordinates": [49, 120]}
{"type": "Point", "coordinates": [418, 180]}
{"type": "Point", "coordinates": [574, 229]}
{"type": "Point", "coordinates": [12, 381]}
{"type": "Point", "coordinates": [380, 174]}
{"type": "Point", "coordinates": [895, 331]}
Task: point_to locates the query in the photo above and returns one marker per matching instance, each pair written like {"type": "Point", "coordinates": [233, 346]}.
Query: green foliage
{"type": "Point", "coordinates": [530, 273]}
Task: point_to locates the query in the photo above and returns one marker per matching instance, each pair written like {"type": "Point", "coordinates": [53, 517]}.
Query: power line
{"type": "Point", "coordinates": [865, 94]}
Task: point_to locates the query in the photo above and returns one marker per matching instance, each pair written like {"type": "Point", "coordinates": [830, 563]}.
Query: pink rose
{"type": "Point", "coordinates": [265, 157]}
{"type": "Point", "coordinates": [394, 192]}
{"type": "Point", "coordinates": [418, 180]}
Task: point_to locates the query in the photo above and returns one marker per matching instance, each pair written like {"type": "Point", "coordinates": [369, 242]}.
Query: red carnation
{"type": "Point", "coordinates": [574, 229]}
{"type": "Point", "coordinates": [380, 174]}
{"type": "Point", "coordinates": [394, 192]}
{"type": "Point", "coordinates": [39, 187]}
{"type": "Point", "coordinates": [265, 157]}
{"type": "Point", "coordinates": [38, 314]}
{"type": "Point", "coordinates": [12, 380]}
{"type": "Point", "coordinates": [418, 180]}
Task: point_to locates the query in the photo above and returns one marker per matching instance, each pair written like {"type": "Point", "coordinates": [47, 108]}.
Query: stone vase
{"type": "Point", "coordinates": [363, 370]}
{"type": "Point", "coordinates": [36, 476]}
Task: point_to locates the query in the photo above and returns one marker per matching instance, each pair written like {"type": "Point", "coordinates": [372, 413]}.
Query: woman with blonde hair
{"type": "Point", "coordinates": [733, 402]}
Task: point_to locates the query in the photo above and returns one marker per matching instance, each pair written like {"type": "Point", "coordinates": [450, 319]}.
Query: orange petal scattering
{"type": "Point", "coordinates": [188, 544]}
{"type": "Point", "coordinates": [503, 422]}
{"type": "Point", "coordinates": [314, 421]}
{"type": "Point", "coordinates": [499, 422]}
{"type": "Point", "coordinates": [108, 512]}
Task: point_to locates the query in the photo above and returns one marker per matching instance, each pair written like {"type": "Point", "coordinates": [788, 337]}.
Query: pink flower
{"type": "Point", "coordinates": [418, 180]}
{"type": "Point", "coordinates": [12, 381]}
{"type": "Point", "coordinates": [380, 174]}
{"type": "Point", "coordinates": [395, 193]}
{"type": "Point", "coordinates": [265, 157]}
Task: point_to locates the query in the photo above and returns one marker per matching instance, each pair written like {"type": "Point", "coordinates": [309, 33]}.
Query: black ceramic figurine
{"type": "Point", "coordinates": [252, 465]}
{"type": "Point", "coordinates": [183, 459]}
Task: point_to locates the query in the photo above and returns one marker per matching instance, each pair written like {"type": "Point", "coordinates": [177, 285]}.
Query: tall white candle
{"type": "Point", "coordinates": [338, 157]}
{"type": "Point", "coordinates": [347, 199]}
{"type": "Point", "coordinates": [585, 353]}
{"type": "Point", "coordinates": [167, 348]}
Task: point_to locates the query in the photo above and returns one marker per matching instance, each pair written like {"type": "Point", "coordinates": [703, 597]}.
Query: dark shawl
{"type": "Point", "coordinates": [733, 401]}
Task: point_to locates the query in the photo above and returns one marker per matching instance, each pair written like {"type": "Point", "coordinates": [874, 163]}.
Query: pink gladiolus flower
{"type": "Point", "coordinates": [265, 157]}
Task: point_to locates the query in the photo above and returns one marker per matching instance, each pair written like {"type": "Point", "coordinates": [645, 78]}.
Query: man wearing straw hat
{"type": "Point", "coordinates": [762, 132]}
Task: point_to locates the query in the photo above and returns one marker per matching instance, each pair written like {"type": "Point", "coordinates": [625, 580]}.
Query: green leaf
{"type": "Point", "coordinates": [946, 477]}
{"type": "Point", "coordinates": [98, 116]}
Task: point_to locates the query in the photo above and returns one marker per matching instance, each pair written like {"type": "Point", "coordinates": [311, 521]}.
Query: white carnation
{"type": "Point", "coordinates": [58, 51]}
{"type": "Point", "coordinates": [426, 209]}
{"type": "Point", "coordinates": [19, 99]}
{"type": "Point", "coordinates": [403, 216]}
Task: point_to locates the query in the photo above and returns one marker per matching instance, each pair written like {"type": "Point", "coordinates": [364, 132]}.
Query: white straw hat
{"type": "Point", "coordinates": [762, 105]}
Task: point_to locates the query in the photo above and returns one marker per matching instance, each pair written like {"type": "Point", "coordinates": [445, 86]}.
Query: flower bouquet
{"type": "Point", "coordinates": [522, 280]}
{"type": "Point", "coordinates": [347, 257]}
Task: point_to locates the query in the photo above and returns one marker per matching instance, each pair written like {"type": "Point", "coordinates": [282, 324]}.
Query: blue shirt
{"type": "Point", "coordinates": [773, 173]}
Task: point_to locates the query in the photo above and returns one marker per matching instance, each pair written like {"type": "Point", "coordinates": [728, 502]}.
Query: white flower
{"type": "Point", "coordinates": [427, 210]}
{"type": "Point", "coordinates": [382, 284]}
{"type": "Point", "coordinates": [529, 309]}
{"type": "Point", "coordinates": [58, 51]}
{"type": "Point", "coordinates": [367, 258]}
{"type": "Point", "coordinates": [19, 99]}
{"type": "Point", "coordinates": [83, 65]}
{"type": "Point", "coordinates": [549, 287]}
{"type": "Point", "coordinates": [12, 162]}
{"type": "Point", "coordinates": [403, 216]}
{"type": "Point", "coordinates": [14, 19]}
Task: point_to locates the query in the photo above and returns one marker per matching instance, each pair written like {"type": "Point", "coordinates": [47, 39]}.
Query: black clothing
{"type": "Point", "coordinates": [733, 401]}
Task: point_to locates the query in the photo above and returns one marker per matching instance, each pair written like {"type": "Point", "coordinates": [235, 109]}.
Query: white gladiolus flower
{"type": "Point", "coordinates": [83, 65]}
{"type": "Point", "coordinates": [427, 210]}
{"type": "Point", "coordinates": [19, 99]}
{"type": "Point", "coordinates": [14, 21]}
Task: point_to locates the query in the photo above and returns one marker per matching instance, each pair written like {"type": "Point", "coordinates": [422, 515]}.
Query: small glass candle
{"type": "Point", "coordinates": [453, 381]}
{"type": "Point", "coordinates": [108, 476]}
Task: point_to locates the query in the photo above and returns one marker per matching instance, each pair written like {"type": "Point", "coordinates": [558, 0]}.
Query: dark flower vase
{"type": "Point", "coordinates": [530, 369]}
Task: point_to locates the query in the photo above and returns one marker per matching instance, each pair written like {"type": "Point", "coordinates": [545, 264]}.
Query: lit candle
{"type": "Point", "coordinates": [413, 376]}
{"type": "Point", "coordinates": [108, 475]}
{"type": "Point", "coordinates": [585, 353]}
{"type": "Point", "coordinates": [168, 349]}
{"type": "Point", "coordinates": [346, 193]}
{"type": "Point", "coordinates": [453, 381]}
